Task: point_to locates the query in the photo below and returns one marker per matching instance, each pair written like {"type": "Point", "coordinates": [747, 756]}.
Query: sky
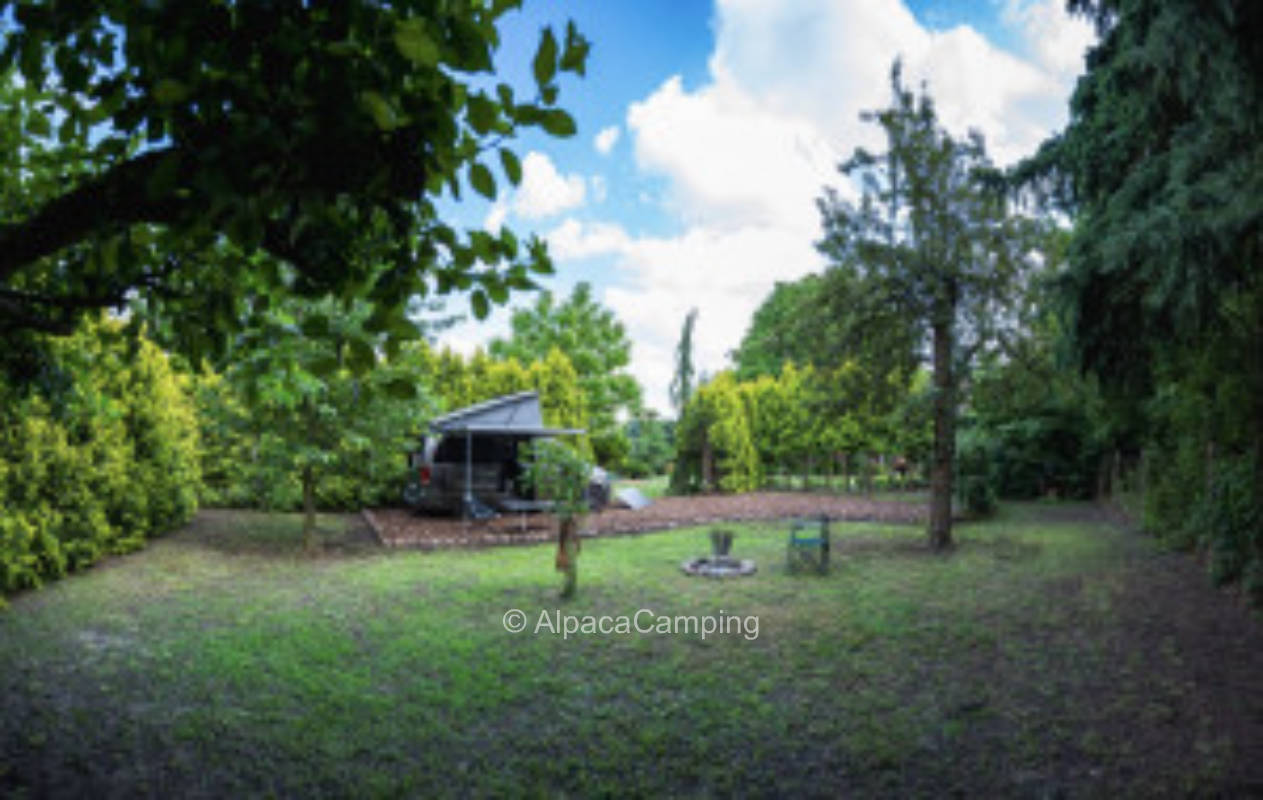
{"type": "Point", "coordinates": [708, 128]}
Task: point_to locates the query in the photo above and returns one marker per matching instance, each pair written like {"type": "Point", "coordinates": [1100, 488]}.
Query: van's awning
{"type": "Point", "coordinates": [510, 415]}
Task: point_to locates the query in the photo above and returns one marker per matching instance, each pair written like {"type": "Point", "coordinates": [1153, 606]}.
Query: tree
{"type": "Point", "coordinates": [932, 236]}
{"type": "Point", "coordinates": [598, 348]}
{"type": "Point", "coordinates": [312, 132]}
{"type": "Point", "coordinates": [682, 381]}
{"type": "Point", "coordinates": [714, 446]}
{"type": "Point", "coordinates": [1163, 293]}
{"type": "Point", "coordinates": [831, 324]}
{"type": "Point", "coordinates": [784, 328]}
{"type": "Point", "coordinates": [1159, 163]}
{"type": "Point", "coordinates": [827, 320]}
{"type": "Point", "coordinates": [311, 416]}
{"type": "Point", "coordinates": [560, 475]}
{"type": "Point", "coordinates": [98, 451]}
{"type": "Point", "coordinates": [651, 444]}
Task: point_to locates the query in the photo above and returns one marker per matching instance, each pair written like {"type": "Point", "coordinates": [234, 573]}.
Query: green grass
{"type": "Point", "coordinates": [220, 662]}
{"type": "Point", "coordinates": [652, 488]}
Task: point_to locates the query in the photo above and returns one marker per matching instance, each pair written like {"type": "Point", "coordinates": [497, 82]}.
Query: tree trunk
{"type": "Point", "coordinates": [708, 464]}
{"type": "Point", "coordinates": [567, 554]}
{"type": "Point", "coordinates": [944, 437]}
{"type": "Point", "coordinates": [309, 509]}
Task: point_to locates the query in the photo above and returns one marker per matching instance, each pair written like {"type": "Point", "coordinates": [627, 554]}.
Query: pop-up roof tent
{"type": "Point", "coordinates": [516, 415]}
{"type": "Point", "coordinates": [512, 415]}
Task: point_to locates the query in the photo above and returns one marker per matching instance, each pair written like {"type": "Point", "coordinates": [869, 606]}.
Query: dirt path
{"type": "Point", "coordinates": [403, 528]}
{"type": "Point", "coordinates": [1208, 643]}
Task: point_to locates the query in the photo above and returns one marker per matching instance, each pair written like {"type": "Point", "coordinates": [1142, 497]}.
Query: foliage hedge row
{"type": "Point", "coordinates": [98, 450]}
{"type": "Point", "coordinates": [1201, 473]}
{"type": "Point", "coordinates": [238, 470]}
{"type": "Point", "coordinates": [734, 434]}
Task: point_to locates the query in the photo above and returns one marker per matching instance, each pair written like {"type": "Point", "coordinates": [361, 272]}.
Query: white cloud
{"type": "Point", "coordinates": [744, 155]}
{"type": "Point", "coordinates": [600, 189]}
{"type": "Point", "coordinates": [544, 191]}
{"type": "Point", "coordinates": [828, 61]}
{"type": "Point", "coordinates": [495, 217]}
{"type": "Point", "coordinates": [724, 272]}
{"type": "Point", "coordinates": [1057, 39]}
{"type": "Point", "coordinates": [731, 161]}
{"type": "Point", "coordinates": [469, 334]}
{"type": "Point", "coordinates": [605, 139]}
{"type": "Point", "coordinates": [575, 240]}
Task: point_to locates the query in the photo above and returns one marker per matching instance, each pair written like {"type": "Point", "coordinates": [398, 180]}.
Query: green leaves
{"type": "Point", "coordinates": [479, 304]}
{"type": "Point", "coordinates": [415, 44]}
{"type": "Point", "coordinates": [322, 136]}
{"type": "Point", "coordinates": [545, 63]}
{"type": "Point", "coordinates": [380, 109]}
{"type": "Point", "coordinates": [164, 177]}
{"type": "Point", "coordinates": [168, 91]}
{"type": "Point", "coordinates": [482, 113]}
{"type": "Point", "coordinates": [558, 122]}
{"type": "Point", "coordinates": [512, 166]}
{"type": "Point", "coordinates": [480, 178]}
{"type": "Point", "coordinates": [575, 57]}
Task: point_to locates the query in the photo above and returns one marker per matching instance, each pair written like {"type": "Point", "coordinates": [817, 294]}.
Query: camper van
{"type": "Point", "coordinates": [468, 464]}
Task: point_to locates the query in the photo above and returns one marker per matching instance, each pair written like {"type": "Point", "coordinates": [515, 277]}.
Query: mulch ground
{"type": "Point", "coordinates": [404, 528]}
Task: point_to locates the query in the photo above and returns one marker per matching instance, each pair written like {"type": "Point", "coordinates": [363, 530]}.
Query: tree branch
{"type": "Point", "coordinates": [115, 198]}
{"type": "Point", "coordinates": [17, 298]}
{"type": "Point", "coordinates": [14, 316]}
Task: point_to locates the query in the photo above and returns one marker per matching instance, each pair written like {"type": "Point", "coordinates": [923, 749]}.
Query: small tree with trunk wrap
{"type": "Point", "coordinates": [560, 474]}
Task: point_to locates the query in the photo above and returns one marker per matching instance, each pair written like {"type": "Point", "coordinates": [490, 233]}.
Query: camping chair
{"type": "Point", "coordinates": [808, 547]}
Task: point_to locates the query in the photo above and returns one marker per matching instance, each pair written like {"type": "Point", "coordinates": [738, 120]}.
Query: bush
{"type": "Point", "coordinates": [245, 463]}
{"type": "Point", "coordinates": [715, 426]}
{"type": "Point", "coordinates": [1228, 520]}
{"type": "Point", "coordinates": [98, 450]}
{"type": "Point", "coordinates": [976, 478]}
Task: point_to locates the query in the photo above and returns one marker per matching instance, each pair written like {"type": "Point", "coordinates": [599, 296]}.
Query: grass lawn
{"type": "Point", "coordinates": [1045, 657]}
{"type": "Point", "coordinates": [650, 487]}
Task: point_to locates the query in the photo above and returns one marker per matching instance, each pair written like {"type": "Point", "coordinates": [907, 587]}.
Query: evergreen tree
{"type": "Point", "coordinates": [1163, 293]}
{"type": "Point", "coordinates": [682, 381]}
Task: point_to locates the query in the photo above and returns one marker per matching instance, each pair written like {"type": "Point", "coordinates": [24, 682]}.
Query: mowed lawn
{"type": "Point", "coordinates": [1051, 654]}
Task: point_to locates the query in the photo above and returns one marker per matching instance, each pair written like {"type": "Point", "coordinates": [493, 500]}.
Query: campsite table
{"type": "Point", "coordinates": [522, 507]}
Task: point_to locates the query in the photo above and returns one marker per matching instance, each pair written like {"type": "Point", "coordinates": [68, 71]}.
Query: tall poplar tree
{"type": "Point", "coordinates": [682, 380]}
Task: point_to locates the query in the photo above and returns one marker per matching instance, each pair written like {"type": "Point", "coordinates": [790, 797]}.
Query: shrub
{"type": "Point", "coordinates": [98, 450]}
{"type": "Point", "coordinates": [976, 479]}
{"type": "Point", "coordinates": [1228, 519]}
{"type": "Point", "coordinates": [715, 426]}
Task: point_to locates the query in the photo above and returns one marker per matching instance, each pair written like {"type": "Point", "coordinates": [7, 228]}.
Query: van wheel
{"type": "Point", "coordinates": [413, 494]}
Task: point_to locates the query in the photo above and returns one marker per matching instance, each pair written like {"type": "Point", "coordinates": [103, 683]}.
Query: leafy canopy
{"type": "Point", "coordinates": [308, 413]}
{"type": "Point", "coordinates": [1160, 162]}
{"type": "Point", "coordinates": [143, 132]}
{"type": "Point", "coordinates": [596, 344]}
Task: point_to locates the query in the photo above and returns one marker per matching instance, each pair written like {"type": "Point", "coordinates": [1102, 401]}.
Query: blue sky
{"type": "Point", "coordinates": [707, 128]}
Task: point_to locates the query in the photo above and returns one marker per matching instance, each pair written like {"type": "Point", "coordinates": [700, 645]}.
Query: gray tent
{"type": "Point", "coordinates": [513, 414]}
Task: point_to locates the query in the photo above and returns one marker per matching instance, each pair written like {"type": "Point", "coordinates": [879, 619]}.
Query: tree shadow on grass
{"type": "Point", "coordinates": [278, 534]}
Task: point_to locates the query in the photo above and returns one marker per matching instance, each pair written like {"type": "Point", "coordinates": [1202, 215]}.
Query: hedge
{"type": "Point", "coordinates": [98, 451]}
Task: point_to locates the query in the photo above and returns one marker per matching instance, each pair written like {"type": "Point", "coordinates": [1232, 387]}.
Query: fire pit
{"type": "Point", "coordinates": [719, 564]}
